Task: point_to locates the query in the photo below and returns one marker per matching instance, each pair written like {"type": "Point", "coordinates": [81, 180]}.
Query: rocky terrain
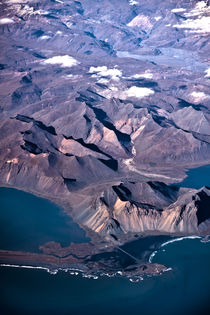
{"type": "Point", "coordinates": [104, 104]}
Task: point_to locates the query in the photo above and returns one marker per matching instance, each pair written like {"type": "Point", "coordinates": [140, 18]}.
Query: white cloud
{"type": "Point", "coordinates": [147, 75]}
{"type": "Point", "coordinates": [207, 71]}
{"type": "Point", "coordinates": [200, 8]}
{"type": "Point", "coordinates": [103, 71]}
{"type": "Point", "coordinates": [134, 91]}
{"type": "Point", "coordinates": [41, 11]}
{"type": "Point", "coordinates": [200, 25]}
{"type": "Point", "coordinates": [6, 21]}
{"type": "Point", "coordinates": [103, 81]}
{"type": "Point", "coordinates": [199, 19]}
{"type": "Point", "coordinates": [97, 69]}
{"type": "Point", "coordinates": [64, 61]}
{"type": "Point", "coordinates": [138, 92]}
{"type": "Point", "coordinates": [177, 10]}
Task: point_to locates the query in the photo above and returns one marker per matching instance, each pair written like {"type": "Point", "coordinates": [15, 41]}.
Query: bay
{"type": "Point", "coordinates": [27, 221]}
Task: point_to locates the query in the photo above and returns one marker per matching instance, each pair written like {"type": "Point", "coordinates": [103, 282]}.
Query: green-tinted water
{"type": "Point", "coordinates": [27, 221]}
{"type": "Point", "coordinates": [197, 177]}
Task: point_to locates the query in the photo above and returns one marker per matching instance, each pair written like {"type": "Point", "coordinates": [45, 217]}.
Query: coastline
{"type": "Point", "coordinates": [53, 263]}
{"type": "Point", "coordinates": [94, 237]}
{"type": "Point", "coordinates": [55, 257]}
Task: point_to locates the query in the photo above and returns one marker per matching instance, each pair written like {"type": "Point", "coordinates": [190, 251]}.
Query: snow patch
{"type": "Point", "coordinates": [44, 37]}
{"type": "Point", "coordinates": [140, 20]}
{"type": "Point", "coordinates": [13, 161]}
{"type": "Point", "coordinates": [207, 71]}
{"type": "Point", "coordinates": [157, 18]}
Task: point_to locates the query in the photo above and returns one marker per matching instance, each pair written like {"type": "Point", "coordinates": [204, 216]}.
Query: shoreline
{"type": "Point", "coordinates": [174, 241]}
{"type": "Point", "coordinates": [70, 264]}
{"type": "Point", "coordinates": [62, 204]}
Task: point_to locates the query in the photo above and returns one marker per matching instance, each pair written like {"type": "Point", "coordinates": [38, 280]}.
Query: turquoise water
{"type": "Point", "coordinates": [27, 221]}
{"type": "Point", "coordinates": [197, 177]}
{"type": "Point", "coordinates": [182, 291]}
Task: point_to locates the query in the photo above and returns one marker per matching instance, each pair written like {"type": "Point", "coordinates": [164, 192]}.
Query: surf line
{"type": "Point", "coordinates": [26, 267]}
{"type": "Point", "coordinates": [50, 271]}
{"type": "Point", "coordinates": [180, 239]}
{"type": "Point", "coordinates": [170, 242]}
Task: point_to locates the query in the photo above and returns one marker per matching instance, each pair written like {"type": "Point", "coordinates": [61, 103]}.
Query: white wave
{"type": "Point", "coordinates": [179, 239]}
{"type": "Point", "coordinates": [119, 273]}
{"type": "Point", "coordinates": [26, 267]}
{"type": "Point", "coordinates": [168, 269]}
{"type": "Point", "coordinates": [152, 256]}
{"type": "Point", "coordinates": [72, 271]}
{"type": "Point", "coordinates": [134, 280]}
{"type": "Point", "coordinates": [170, 242]}
{"type": "Point", "coordinates": [94, 277]}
